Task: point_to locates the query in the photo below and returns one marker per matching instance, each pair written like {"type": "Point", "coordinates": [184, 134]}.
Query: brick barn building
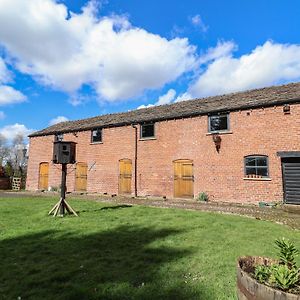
{"type": "Point", "coordinates": [240, 147]}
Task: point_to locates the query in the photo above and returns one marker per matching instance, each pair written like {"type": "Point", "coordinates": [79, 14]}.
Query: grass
{"type": "Point", "coordinates": [123, 252]}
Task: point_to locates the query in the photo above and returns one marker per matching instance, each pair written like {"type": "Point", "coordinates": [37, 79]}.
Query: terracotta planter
{"type": "Point", "coordinates": [249, 289]}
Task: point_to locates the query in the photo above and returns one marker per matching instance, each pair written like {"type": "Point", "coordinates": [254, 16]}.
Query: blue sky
{"type": "Point", "coordinates": [75, 59]}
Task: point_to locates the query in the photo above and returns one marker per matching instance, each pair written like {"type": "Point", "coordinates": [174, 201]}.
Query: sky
{"type": "Point", "coordinates": [73, 59]}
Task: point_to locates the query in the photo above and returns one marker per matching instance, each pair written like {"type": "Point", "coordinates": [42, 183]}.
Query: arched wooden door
{"type": "Point", "coordinates": [125, 175]}
{"type": "Point", "coordinates": [183, 178]}
{"type": "Point", "coordinates": [43, 176]}
{"type": "Point", "coordinates": [81, 177]}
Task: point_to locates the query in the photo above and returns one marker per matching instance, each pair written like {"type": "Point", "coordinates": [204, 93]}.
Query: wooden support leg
{"type": "Point", "coordinates": [69, 208]}
{"type": "Point", "coordinates": [57, 208]}
{"type": "Point", "coordinates": [53, 208]}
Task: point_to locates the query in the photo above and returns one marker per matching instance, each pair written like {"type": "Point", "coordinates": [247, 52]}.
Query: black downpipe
{"type": "Point", "coordinates": [135, 159]}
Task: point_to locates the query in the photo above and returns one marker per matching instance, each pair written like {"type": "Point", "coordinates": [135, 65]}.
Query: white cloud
{"type": "Point", "coordinates": [57, 120]}
{"type": "Point", "coordinates": [5, 75]}
{"type": "Point", "coordinates": [183, 97]}
{"type": "Point", "coordinates": [164, 99]}
{"type": "Point", "coordinates": [145, 106]}
{"type": "Point", "coordinates": [9, 95]}
{"type": "Point", "coordinates": [67, 50]}
{"type": "Point", "coordinates": [2, 115]}
{"type": "Point", "coordinates": [198, 23]}
{"type": "Point", "coordinates": [223, 48]}
{"type": "Point", "coordinates": [269, 64]}
{"type": "Point", "coordinates": [11, 131]}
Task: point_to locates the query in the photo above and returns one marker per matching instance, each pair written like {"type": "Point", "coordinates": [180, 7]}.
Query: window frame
{"type": "Point", "coordinates": [218, 115]}
{"type": "Point", "coordinates": [257, 167]}
{"type": "Point", "coordinates": [97, 142]}
{"type": "Point", "coordinates": [148, 137]}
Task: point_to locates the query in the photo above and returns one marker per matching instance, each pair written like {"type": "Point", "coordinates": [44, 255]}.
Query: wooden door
{"type": "Point", "coordinates": [291, 180]}
{"type": "Point", "coordinates": [81, 177]}
{"type": "Point", "coordinates": [125, 175]}
{"type": "Point", "coordinates": [183, 179]}
{"type": "Point", "coordinates": [43, 176]}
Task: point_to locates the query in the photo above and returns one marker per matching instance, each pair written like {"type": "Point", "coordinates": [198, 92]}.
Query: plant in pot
{"type": "Point", "coordinates": [264, 278]}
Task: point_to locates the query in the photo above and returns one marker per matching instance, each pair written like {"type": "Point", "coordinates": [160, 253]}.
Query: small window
{"type": "Point", "coordinates": [97, 135]}
{"type": "Point", "coordinates": [147, 131]}
{"type": "Point", "coordinates": [256, 166]}
{"type": "Point", "coordinates": [218, 123]}
{"type": "Point", "coordinates": [59, 137]}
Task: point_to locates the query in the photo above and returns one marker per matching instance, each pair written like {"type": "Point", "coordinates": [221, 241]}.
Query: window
{"type": "Point", "coordinates": [256, 166]}
{"type": "Point", "coordinates": [97, 135]}
{"type": "Point", "coordinates": [147, 131]}
{"type": "Point", "coordinates": [218, 123]}
{"type": "Point", "coordinates": [59, 137]}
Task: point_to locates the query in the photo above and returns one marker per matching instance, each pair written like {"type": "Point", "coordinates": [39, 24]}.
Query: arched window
{"type": "Point", "coordinates": [256, 166]}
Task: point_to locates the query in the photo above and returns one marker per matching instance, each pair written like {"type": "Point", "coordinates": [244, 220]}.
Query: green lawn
{"type": "Point", "coordinates": [125, 252]}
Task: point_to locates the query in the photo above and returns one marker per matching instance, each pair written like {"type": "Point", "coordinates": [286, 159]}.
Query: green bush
{"type": "Point", "coordinates": [287, 252]}
{"type": "Point", "coordinates": [262, 273]}
{"type": "Point", "coordinates": [284, 277]}
{"type": "Point", "coordinates": [203, 197]}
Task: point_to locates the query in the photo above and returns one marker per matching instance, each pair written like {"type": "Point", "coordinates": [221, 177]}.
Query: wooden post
{"type": "Point", "coordinates": [63, 187]}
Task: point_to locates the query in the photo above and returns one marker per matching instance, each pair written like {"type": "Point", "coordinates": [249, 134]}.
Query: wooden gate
{"type": "Point", "coordinates": [183, 178]}
{"type": "Point", "coordinates": [81, 177]}
{"type": "Point", "coordinates": [125, 174]}
{"type": "Point", "coordinates": [43, 176]}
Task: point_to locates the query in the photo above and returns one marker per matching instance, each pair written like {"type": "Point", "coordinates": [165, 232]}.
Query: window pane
{"type": "Point", "coordinates": [262, 172]}
{"type": "Point", "coordinates": [147, 130]}
{"type": "Point", "coordinates": [250, 161]}
{"type": "Point", "coordinates": [97, 135]}
{"type": "Point", "coordinates": [218, 123]}
{"type": "Point", "coordinates": [261, 161]}
{"type": "Point", "coordinates": [250, 171]}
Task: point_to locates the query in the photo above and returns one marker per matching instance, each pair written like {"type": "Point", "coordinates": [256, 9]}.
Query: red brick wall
{"type": "Point", "coordinates": [220, 175]}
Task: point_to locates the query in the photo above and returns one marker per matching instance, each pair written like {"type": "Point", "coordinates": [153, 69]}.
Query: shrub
{"type": "Point", "coordinates": [283, 275]}
{"type": "Point", "coordinates": [287, 252]}
{"type": "Point", "coordinates": [203, 197]}
{"type": "Point", "coordinates": [262, 273]}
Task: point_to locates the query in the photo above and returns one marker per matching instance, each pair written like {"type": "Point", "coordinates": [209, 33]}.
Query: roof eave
{"type": "Point", "coordinates": [187, 115]}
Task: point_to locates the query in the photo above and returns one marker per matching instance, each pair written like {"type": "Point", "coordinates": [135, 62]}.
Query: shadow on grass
{"type": "Point", "coordinates": [114, 264]}
{"type": "Point", "coordinates": [104, 208]}
{"type": "Point", "coordinates": [116, 207]}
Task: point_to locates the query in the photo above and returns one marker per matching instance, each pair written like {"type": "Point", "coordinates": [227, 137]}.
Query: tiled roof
{"type": "Point", "coordinates": [264, 97]}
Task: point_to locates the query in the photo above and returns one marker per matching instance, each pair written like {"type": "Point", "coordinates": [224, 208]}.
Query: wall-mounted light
{"type": "Point", "coordinates": [217, 140]}
{"type": "Point", "coordinates": [286, 109]}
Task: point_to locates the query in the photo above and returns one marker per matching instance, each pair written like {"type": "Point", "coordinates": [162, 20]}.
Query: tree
{"type": "Point", "coordinates": [4, 151]}
{"type": "Point", "coordinates": [13, 159]}
{"type": "Point", "coordinates": [17, 155]}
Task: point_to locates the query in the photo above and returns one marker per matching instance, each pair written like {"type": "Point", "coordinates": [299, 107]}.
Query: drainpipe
{"type": "Point", "coordinates": [135, 158]}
